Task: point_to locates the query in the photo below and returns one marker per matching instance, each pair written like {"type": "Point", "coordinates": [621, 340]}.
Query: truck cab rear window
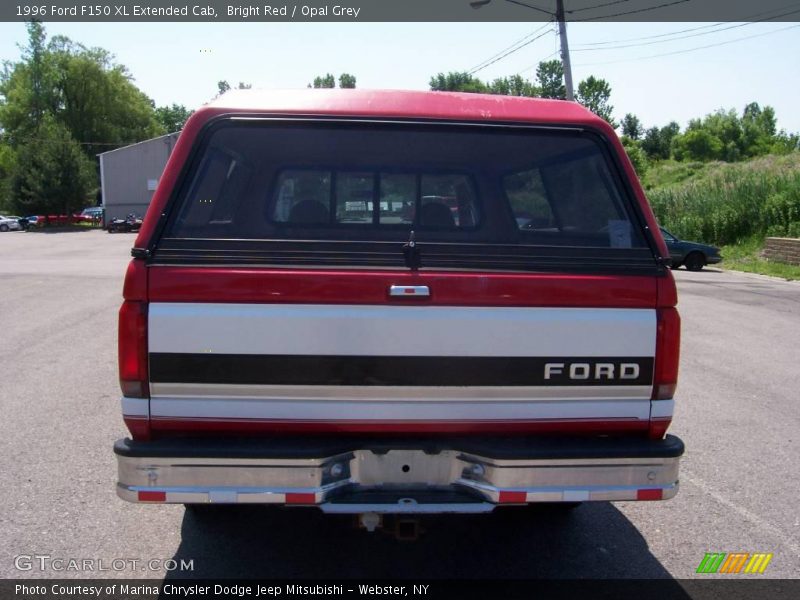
{"type": "Point", "coordinates": [331, 197]}
{"type": "Point", "coordinates": [377, 182]}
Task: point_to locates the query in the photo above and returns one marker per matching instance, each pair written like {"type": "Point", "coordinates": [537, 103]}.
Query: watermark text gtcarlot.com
{"type": "Point", "coordinates": [48, 563]}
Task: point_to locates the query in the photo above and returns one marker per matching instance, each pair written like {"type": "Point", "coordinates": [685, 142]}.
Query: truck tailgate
{"type": "Point", "coordinates": [269, 358]}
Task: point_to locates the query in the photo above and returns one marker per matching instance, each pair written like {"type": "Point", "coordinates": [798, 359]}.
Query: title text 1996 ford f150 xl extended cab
{"type": "Point", "coordinates": [397, 302]}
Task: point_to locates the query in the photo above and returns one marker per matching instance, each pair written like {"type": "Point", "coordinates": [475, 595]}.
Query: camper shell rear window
{"type": "Point", "coordinates": [519, 191]}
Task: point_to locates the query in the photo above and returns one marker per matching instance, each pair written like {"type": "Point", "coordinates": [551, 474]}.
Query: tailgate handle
{"type": "Point", "coordinates": [409, 291]}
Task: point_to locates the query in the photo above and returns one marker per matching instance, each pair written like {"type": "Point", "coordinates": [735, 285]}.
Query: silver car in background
{"type": "Point", "coordinates": [9, 223]}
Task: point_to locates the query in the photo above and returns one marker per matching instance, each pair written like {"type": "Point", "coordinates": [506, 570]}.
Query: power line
{"type": "Point", "coordinates": [689, 49]}
{"type": "Point", "coordinates": [650, 37]}
{"type": "Point", "coordinates": [737, 26]}
{"type": "Point", "coordinates": [562, 30]}
{"type": "Point", "coordinates": [768, 15]}
{"type": "Point", "coordinates": [522, 39]}
{"type": "Point", "coordinates": [510, 50]}
{"type": "Point", "coordinates": [536, 64]}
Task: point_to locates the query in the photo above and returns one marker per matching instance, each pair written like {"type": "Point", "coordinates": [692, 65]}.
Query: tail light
{"type": "Point", "coordinates": [665, 377]}
{"type": "Point", "coordinates": [132, 341]}
{"type": "Point", "coordinates": [668, 343]}
{"type": "Point", "coordinates": [132, 350]}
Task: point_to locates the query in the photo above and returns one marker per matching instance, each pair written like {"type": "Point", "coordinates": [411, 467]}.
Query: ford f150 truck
{"type": "Point", "coordinates": [397, 302]}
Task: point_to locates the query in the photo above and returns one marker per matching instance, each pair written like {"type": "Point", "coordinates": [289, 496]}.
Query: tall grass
{"type": "Point", "coordinates": [724, 203]}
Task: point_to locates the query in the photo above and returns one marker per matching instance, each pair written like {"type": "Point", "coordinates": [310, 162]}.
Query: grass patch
{"type": "Point", "coordinates": [721, 203]}
{"type": "Point", "coordinates": [671, 172]}
{"type": "Point", "coordinates": [746, 256]}
{"type": "Point", "coordinates": [668, 173]}
{"type": "Point", "coordinates": [732, 205]}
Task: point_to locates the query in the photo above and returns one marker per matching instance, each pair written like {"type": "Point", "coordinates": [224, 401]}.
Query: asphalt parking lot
{"type": "Point", "coordinates": [737, 411]}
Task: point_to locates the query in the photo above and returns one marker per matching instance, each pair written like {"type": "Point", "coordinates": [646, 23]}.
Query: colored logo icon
{"type": "Point", "coordinates": [734, 562]}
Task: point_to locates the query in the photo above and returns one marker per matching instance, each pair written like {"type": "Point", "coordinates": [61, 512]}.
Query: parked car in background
{"type": "Point", "coordinates": [22, 222]}
{"type": "Point", "coordinates": [693, 255]}
{"type": "Point", "coordinates": [91, 214]}
{"type": "Point", "coordinates": [38, 221]}
{"type": "Point", "coordinates": [9, 223]}
{"type": "Point", "coordinates": [48, 220]}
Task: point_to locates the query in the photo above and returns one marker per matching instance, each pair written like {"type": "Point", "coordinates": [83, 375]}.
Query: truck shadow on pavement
{"type": "Point", "coordinates": [593, 541]}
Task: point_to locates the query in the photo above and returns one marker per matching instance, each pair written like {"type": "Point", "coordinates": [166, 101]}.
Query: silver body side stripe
{"type": "Point", "coordinates": [399, 330]}
{"type": "Point", "coordinates": [363, 410]}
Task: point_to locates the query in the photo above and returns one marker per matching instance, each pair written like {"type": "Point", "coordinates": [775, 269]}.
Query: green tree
{"type": "Point", "coordinates": [97, 101]}
{"type": "Point", "coordinates": [657, 143]}
{"type": "Point", "coordinates": [726, 127]}
{"type": "Point", "coordinates": [7, 159]}
{"type": "Point", "coordinates": [725, 135]}
{"type": "Point", "coordinates": [51, 174]}
{"type": "Point", "coordinates": [550, 75]}
{"type": "Point", "coordinates": [636, 155]}
{"type": "Point", "coordinates": [759, 129]}
{"type": "Point", "coordinates": [632, 126]}
{"type": "Point", "coordinates": [501, 86]}
{"type": "Point", "coordinates": [27, 88]}
{"type": "Point", "coordinates": [652, 144]}
{"type": "Point", "coordinates": [514, 85]}
{"type": "Point", "coordinates": [594, 94]}
{"type": "Point", "coordinates": [457, 82]}
{"type": "Point", "coordinates": [80, 87]}
{"type": "Point", "coordinates": [326, 81]}
{"type": "Point", "coordinates": [668, 133]}
{"type": "Point", "coordinates": [60, 105]}
{"type": "Point", "coordinates": [172, 118]}
{"type": "Point", "coordinates": [223, 86]}
{"type": "Point", "coordinates": [785, 143]}
{"type": "Point", "coordinates": [764, 119]}
{"type": "Point", "coordinates": [698, 144]}
{"type": "Point", "coordinates": [347, 81]}
{"type": "Point", "coordinates": [40, 75]}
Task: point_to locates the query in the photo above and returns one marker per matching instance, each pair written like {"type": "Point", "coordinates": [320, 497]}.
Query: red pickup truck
{"type": "Point", "coordinates": [306, 322]}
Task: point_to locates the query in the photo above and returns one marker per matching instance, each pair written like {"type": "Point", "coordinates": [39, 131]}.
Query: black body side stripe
{"type": "Point", "coordinates": [249, 369]}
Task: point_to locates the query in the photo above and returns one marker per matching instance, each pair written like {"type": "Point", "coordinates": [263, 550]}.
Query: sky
{"type": "Point", "coordinates": [182, 62]}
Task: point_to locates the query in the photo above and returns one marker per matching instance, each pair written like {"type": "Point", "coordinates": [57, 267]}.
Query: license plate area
{"type": "Point", "coordinates": [406, 468]}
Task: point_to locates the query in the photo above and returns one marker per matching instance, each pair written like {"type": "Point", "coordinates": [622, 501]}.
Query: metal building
{"type": "Point", "coordinates": [129, 175]}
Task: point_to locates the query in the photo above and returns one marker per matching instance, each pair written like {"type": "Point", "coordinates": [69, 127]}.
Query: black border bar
{"type": "Point", "coordinates": [354, 11]}
{"type": "Point", "coordinates": [464, 589]}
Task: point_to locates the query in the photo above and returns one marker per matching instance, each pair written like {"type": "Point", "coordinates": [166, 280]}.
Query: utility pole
{"type": "Point", "coordinates": [562, 33]}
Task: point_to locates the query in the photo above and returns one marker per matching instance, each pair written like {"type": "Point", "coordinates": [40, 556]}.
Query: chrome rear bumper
{"type": "Point", "coordinates": [389, 477]}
